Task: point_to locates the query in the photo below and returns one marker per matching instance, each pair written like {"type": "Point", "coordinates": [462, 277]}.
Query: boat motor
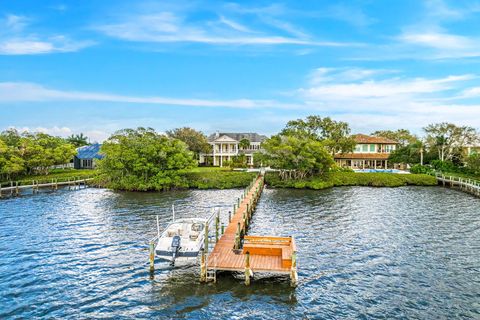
{"type": "Point", "coordinates": [175, 247]}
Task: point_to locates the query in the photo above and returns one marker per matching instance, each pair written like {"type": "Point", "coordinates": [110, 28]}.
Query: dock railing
{"type": "Point", "coordinates": [465, 184]}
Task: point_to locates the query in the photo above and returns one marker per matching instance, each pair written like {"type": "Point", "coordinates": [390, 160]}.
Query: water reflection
{"type": "Point", "coordinates": [363, 252]}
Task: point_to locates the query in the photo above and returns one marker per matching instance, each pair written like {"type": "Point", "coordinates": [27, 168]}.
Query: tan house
{"type": "Point", "coordinates": [370, 153]}
{"type": "Point", "coordinates": [225, 146]}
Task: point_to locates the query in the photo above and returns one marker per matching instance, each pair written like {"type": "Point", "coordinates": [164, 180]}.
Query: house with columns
{"type": "Point", "coordinates": [370, 153]}
{"type": "Point", "coordinates": [225, 146]}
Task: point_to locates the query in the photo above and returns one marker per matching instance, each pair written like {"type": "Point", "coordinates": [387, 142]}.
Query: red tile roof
{"type": "Point", "coordinates": [363, 156]}
{"type": "Point", "coordinates": [363, 138]}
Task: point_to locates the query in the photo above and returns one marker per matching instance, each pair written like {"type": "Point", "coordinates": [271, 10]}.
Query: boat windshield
{"type": "Point", "coordinates": [197, 227]}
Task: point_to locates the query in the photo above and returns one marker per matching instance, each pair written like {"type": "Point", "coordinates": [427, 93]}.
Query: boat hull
{"type": "Point", "coordinates": [181, 256]}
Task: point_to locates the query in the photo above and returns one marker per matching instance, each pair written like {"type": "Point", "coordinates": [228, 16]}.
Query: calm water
{"type": "Point", "coordinates": [363, 253]}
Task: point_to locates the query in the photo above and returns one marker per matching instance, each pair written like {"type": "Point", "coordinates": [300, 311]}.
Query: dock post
{"type": "Point", "coordinates": [56, 184]}
{"type": "Point", "coordinates": [229, 216]}
{"type": "Point", "coordinates": [245, 222]}
{"type": "Point", "coordinates": [237, 237]}
{"type": "Point", "coordinates": [217, 222]}
{"type": "Point", "coordinates": [248, 209]}
{"type": "Point", "coordinates": [223, 228]}
{"type": "Point", "coordinates": [203, 267]}
{"type": "Point", "coordinates": [238, 202]}
{"type": "Point", "coordinates": [152, 256]}
{"type": "Point", "coordinates": [293, 271]}
{"type": "Point", "coordinates": [234, 208]}
{"type": "Point", "coordinates": [16, 189]}
{"type": "Point", "coordinates": [247, 269]}
{"type": "Point", "coordinates": [0, 191]}
{"type": "Point", "coordinates": [11, 188]}
{"type": "Point", "coordinates": [205, 246]}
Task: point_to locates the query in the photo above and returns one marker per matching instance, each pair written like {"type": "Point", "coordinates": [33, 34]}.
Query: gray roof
{"type": "Point", "coordinates": [89, 152]}
{"type": "Point", "coordinates": [251, 136]}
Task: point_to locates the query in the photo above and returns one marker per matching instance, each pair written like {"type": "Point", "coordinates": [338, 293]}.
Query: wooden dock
{"type": "Point", "coordinates": [15, 188]}
{"type": "Point", "coordinates": [237, 252]}
{"type": "Point", "coordinates": [466, 185]}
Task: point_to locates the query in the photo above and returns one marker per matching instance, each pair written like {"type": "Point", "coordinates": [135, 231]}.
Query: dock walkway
{"type": "Point", "coordinates": [235, 251]}
{"type": "Point", "coordinates": [466, 185]}
{"type": "Point", "coordinates": [15, 188]}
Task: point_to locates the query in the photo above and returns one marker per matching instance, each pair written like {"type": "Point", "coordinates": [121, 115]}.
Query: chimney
{"type": "Point", "coordinates": [217, 135]}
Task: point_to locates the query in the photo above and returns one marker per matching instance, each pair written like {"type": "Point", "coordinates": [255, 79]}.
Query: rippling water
{"type": "Point", "coordinates": [407, 252]}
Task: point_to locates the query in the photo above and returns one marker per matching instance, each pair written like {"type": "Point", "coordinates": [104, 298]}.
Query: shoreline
{"type": "Point", "coordinates": [220, 180]}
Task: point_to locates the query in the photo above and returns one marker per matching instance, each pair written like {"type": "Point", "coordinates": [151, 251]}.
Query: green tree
{"type": "Point", "coordinates": [473, 163]}
{"type": "Point", "coordinates": [11, 165]}
{"type": "Point", "coordinates": [40, 151]}
{"type": "Point", "coordinates": [403, 136]}
{"type": "Point", "coordinates": [334, 135]}
{"type": "Point", "coordinates": [410, 153]}
{"type": "Point", "coordinates": [141, 159]}
{"type": "Point", "coordinates": [449, 139]}
{"type": "Point", "coordinates": [244, 143]}
{"type": "Point", "coordinates": [78, 140]}
{"type": "Point", "coordinates": [296, 157]}
{"type": "Point", "coordinates": [196, 141]}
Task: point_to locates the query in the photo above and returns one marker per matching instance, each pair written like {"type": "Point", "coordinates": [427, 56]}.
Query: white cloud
{"type": "Point", "coordinates": [30, 92]}
{"type": "Point", "coordinates": [234, 25]}
{"type": "Point", "coordinates": [344, 84]}
{"type": "Point", "coordinates": [15, 40]}
{"type": "Point", "coordinates": [15, 22]}
{"type": "Point", "coordinates": [471, 92]}
{"type": "Point", "coordinates": [169, 27]}
{"type": "Point", "coordinates": [369, 98]}
{"type": "Point", "coordinates": [93, 135]}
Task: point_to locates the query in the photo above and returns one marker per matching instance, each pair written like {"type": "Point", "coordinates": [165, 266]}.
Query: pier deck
{"type": "Point", "coordinates": [266, 254]}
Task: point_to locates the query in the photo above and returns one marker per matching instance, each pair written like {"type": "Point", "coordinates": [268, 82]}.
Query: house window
{"type": "Point", "coordinates": [372, 148]}
{"type": "Point", "coordinates": [364, 147]}
{"type": "Point", "coordinates": [358, 148]}
{"type": "Point", "coordinates": [87, 163]}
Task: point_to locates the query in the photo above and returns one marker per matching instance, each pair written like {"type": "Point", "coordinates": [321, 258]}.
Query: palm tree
{"type": "Point", "coordinates": [78, 140]}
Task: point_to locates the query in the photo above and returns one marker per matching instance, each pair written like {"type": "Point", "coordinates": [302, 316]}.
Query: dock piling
{"type": "Point", "coordinates": [152, 256]}
{"type": "Point", "coordinates": [248, 271]}
{"type": "Point", "coordinates": [293, 271]}
{"type": "Point", "coordinates": [205, 246]}
{"type": "Point", "coordinates": [203, 267]}
{"type": "Point", "coordinates": [217, 223]}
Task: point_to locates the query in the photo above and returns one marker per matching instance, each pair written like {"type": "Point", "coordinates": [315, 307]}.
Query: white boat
{"type": "Point", "coordinates": [182, 239]}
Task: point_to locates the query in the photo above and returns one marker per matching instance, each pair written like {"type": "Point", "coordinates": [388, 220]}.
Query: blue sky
{"type": "Point", "coordinates": [99, 66]}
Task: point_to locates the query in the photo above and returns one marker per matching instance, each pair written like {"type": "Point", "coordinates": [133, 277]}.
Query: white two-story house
{"type": "Point", "coordinates": [370, 153]}
{"type": "Point", "coordinates": [225, 146]}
